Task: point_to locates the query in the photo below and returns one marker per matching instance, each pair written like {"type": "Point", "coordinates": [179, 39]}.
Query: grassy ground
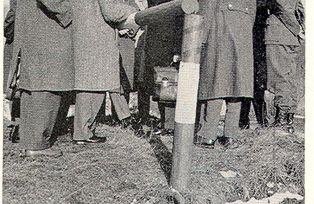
{"type": "Point", "coordinates": [128, 169]}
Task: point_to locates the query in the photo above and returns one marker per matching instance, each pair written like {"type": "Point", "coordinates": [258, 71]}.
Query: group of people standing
{"type": "Point", "coordinates": [61, 48]}
{"type": "Point", "coordinates": [85, 48]}
{"type": "Point", "coordinates": [252, 48]}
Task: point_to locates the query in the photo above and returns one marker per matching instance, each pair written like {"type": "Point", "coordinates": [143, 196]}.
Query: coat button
{"type": "Point", "coordinates": [230, 6]}
{"type": "Point", "coordinates": [247, 9]}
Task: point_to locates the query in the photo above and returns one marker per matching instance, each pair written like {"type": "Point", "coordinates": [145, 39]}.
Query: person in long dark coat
{"type": "Point", "coordinates": [260, 72]}
{"type": "Point", "coordinates": [226, 64]}
{"type": "Point", "coordinates": [46, 73]}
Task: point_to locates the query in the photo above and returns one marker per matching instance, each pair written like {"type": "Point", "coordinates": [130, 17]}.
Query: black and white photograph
{"type": "Point", "coordinates": [154, 102]}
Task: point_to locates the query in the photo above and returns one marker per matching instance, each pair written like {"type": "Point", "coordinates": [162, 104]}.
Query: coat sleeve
{"type": "Point", "coordinates": [115, 11]}
{"type": "Point", "coordinates": [300, 14]}
{"type": "Point", "coordinates": [9, 25]}
{"type": "Point", "coordinates": [60, 8]}
{"type": "Point", "coordinates": [286, 14]}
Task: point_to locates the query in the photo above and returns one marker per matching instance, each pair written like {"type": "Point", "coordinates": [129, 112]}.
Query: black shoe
{"type": "Point", "coordinates": [290, 121]}
{"type": "Point", "coordinates": [45, 152]}
{"type": "Point", "coordinates": [139, 127]}
{"type": "Point", "coordinates": [290, 118]}
{"type": "Point", "coordinates": [138, 130]}
{"type": "Point", "coordinates": [283, 117]}
{"type": "Point", "coordinates": [210, 144]}
{"type": "Point", "coordinates": [204, 142]}
{"type": "Point", "coordinates": [157, 131]}
{"type": "Point", "coordinates": [136, 125]}
{"type": "Point", "coordinates": [163, 132]}
{"type": "Point", "coordinates": [113, 122]}
{"type": "Point", "coordinates": [284, 122]}
{"type": "Point", "coordinates": [168, 132]}
{"type": "Point", "coordinates": [126, 122]}
{"type": "Point", "coordinates": [229, 143]}
{"type": "Point", "coordinates": [92, 140]}
{"type": "Point", "coordinates": [140, 133]}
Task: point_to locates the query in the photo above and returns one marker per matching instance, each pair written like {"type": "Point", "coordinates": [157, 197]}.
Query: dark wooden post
{"type": "Point", "coordinates": [185, 114]}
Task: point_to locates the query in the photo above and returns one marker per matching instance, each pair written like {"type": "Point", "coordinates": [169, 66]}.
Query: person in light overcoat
{"type": "Point", "coordinates": [46, 73]}
{"type": "Point", "coordinates": [95, 56]}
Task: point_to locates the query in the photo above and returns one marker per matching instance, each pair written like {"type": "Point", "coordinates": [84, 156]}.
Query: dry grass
{"type": "Point", "coordinates": [128, 169]}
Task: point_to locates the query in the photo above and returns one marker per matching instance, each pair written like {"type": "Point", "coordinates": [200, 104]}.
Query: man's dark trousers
{"type": "Point", "coordinates": [39, 114]}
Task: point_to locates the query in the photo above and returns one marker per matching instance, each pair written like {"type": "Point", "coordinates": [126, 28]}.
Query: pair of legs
{"type": "Point", "coordinates": [166, 110]}
{"type": "Point", "coordinates": [282, 81]}
{"type": "Point", "coordinates": [42, 114]}
{"type": "Point", "coordinates": [208, 117]}
{"type": "Point", "coordinates": [90, 108]}
{"type": "Point", "coordinates": [39, 117]}
{"type": "Point", "coordinates": [259, 106]}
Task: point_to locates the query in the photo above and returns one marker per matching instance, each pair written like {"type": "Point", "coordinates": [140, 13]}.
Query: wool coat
{"type": "Point", "coordinates": [45, 48]}
{"type": "Point", "coordinates": [227, 49]}
{"type": "Point", "coordinates": [96, 53]}
{"type": "Point", "coordinates": [94, 50]}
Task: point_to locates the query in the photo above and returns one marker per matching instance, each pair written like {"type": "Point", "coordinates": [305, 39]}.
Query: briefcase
{"type": "Point", "coordinates": [166, 84]}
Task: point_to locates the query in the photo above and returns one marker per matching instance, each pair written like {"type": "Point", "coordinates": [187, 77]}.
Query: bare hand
{"type": "Point", "coordinates": [130, 20]}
